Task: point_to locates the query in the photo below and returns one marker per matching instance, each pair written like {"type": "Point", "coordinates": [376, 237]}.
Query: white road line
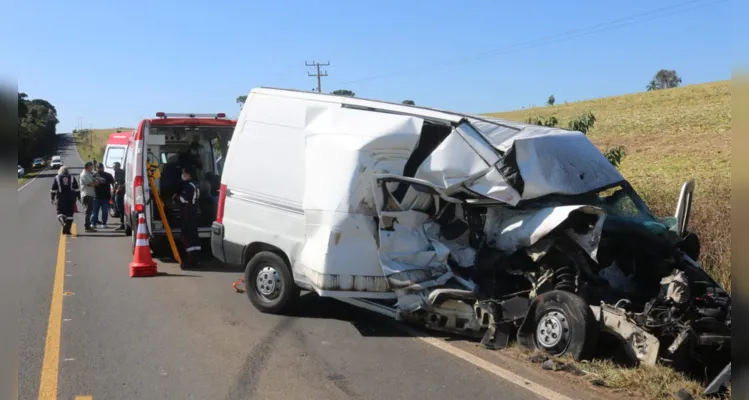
{"type": "Point", "coordinates": [33, 179]}
{"type": "Point", "coordinates": [487, 366]}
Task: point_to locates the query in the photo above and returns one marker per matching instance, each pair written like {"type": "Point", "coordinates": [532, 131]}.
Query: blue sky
{"type": "Point", "coordinates": [114, 63]}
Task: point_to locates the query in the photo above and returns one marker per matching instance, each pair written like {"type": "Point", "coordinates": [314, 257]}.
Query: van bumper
{"type": "Point", "coordinates": [217, 241]}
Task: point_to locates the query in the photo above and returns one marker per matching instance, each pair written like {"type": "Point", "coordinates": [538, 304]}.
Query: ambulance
{"type": "Point", "coordinates": [164, 143]}
{"type": "Point", "coordinates": [115, 152]}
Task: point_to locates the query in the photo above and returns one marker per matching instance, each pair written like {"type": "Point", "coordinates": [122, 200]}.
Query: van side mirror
{"type": "Point", "coordinates": [684, 207]}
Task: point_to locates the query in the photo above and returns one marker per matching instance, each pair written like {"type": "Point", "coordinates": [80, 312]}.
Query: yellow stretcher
{"type": "Point", "coordinates": [153, 173]}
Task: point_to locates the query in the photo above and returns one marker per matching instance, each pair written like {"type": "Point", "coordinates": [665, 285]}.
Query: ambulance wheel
{"type": "Point", "coordinates": [269, 283]}
{"type": "Point", "coordinates": [128, 227]}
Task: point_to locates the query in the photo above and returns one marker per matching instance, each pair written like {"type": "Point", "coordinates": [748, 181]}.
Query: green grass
{"type": "Point", "coordinates": [91, 145]}
{"type": "Point", "coordinates": [28, 176]}
{"type": "Point", "coordinates": [670, 136]}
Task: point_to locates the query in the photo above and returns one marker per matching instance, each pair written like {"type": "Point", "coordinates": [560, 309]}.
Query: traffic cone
{"type": "Point", "coordinates": [142, 265]}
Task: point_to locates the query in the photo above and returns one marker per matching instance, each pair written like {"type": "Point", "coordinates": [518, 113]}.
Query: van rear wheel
{"type": "Point", "coordinates": [269, 283]}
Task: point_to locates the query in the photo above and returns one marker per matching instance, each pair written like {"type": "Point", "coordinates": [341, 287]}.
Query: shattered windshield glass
{"type": "Point", "coordinates": [621, 202]}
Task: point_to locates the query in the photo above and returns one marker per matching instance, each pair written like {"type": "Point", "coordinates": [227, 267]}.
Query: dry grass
{"type": "Point", "coordinates": [91, 146]}
{"type": "Point", "coordinates": [670, 136]}
{"type": "Point", "coordinates": [644, 382]}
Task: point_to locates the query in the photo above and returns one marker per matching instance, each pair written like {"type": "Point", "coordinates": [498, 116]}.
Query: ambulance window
{"type": "Point", "coordinates": [114, 154]}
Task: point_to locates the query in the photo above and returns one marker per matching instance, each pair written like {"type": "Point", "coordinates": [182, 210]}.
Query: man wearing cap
{"type": "Point", "coordinates": [88, 182]}
{"type": "Point", "coordinates": [102, 195]}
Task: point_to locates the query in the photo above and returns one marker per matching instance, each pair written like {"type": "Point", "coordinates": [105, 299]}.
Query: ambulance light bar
{"type": "Point", "coordinates": [161, 114]}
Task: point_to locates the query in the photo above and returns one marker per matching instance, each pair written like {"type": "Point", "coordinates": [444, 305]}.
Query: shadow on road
{"type": "Point", "coordinates": [167, 274]}
{"type": "Point", "coordinates": [367, 323]}
{"type": "Point", "coordinates": [106, 235]}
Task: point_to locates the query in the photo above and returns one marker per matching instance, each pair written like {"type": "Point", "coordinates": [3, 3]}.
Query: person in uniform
{"type": "Point", "coordinates": [188, 200]}
{"type": "Point", "coordinates": [64, 194]}
{"type": "Point", "coordinates": [119, 194]}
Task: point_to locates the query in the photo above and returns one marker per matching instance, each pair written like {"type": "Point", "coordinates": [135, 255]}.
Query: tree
{"type": "Point", "coordinates": [409, 102]}
{"type": "Point", "coordinates": [551, 100]}
{"type": "Point", "coordinates": [550, 121]}
{"type": "Point", "coordinates": [615, 155]}
{"type": "Point", "coordinates": [37, 132]}
{"type": "Point", "coordinates": [343, 92]}
{"type": "Point", "coordinates": [583, 123]}
{"type": "Point", "coordinates": [241, 100]}
{"type": "Point", "coordinates": [664, 79]}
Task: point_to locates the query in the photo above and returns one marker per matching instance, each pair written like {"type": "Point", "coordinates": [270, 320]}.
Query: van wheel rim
{"type": "Point", "coordinates": [553, 331]}
{"type": "Point", "coordinates": [268, 283]}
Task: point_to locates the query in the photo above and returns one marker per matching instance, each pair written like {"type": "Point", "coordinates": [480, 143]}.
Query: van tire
{"type": "Point", "coordinates": [275, 295]}
{"type": "Point", "coordinates": [571, 322]}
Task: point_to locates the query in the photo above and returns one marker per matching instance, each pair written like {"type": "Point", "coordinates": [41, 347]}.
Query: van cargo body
{"type": "Point", "coordinates": [163, 144]}
{"type": "Point", "coordinates": [463, 223]}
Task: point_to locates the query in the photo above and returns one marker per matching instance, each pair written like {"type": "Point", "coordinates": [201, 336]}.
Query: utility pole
{"type": "Point", "coordinates": [318, 74]}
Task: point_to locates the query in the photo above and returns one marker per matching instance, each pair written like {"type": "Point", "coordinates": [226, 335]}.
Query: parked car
{"type": "Point", "coordinates": [56, 162]}
{"type": "Point", "coordinates": [21, 171]}
{"type": "Point", "coordinates": [38, 163]}
{"type": "Point", "coordinates": [463, 223]}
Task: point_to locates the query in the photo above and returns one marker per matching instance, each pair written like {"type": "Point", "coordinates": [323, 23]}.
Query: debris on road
{"type": "Point", "coordinates": [236, 284]}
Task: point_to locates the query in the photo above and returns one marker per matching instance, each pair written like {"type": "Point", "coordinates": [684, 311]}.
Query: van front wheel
{"type": "Point", "coordinates": [269, 284]}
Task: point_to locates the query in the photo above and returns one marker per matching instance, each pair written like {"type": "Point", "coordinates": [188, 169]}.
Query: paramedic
{"type": "Point", "coordinates": [119, 194]}
{"type": "Point", "coordinates": [88, 182]}
{"type": "Point", "coordinates": [64, 195]}
{"type": "Point", "coordinates": [188, 199]}
{"type": "Point", "coordinates": [191, 158]}
{"type": "Point", "coordinates": [103, 194]}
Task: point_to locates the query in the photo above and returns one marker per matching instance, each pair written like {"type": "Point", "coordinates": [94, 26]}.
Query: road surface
{"type": "Point", "coordinates": [88, 331]}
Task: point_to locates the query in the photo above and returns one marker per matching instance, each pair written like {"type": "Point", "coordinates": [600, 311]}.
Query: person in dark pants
{"type": "Point", "coordinates": [119, 194]}
{"type": "Point", "coordinates": [64, 195]}
{"type": "Point", "coordinates": [188, 199]}
{"type": "Point", "coordinates": [87, 183]}
{"type": "Point", "coordinates": [103, 190]}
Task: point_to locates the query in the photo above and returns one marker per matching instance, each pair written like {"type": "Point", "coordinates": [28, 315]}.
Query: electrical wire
{"type": "Point", "coordinates": [564, 36]}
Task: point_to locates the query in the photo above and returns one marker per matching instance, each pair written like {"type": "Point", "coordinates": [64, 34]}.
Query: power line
{"type": "Point", "coordinates": [572, 34]}
{"type": "Point", "coordinates": [318, 74]}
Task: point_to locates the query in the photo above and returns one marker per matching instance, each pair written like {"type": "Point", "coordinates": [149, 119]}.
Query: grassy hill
{"type": "Point", "coordinates": [91, 145]}
{"type": "Point", "coordinates": [669, 136]}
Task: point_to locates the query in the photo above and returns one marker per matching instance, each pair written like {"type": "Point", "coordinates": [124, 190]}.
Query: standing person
{"type": "Point", "coordinates": [188, 199]}
{"type": "Point", "coordinates": [102, 195]}
{"type": "Point", "coordinates": [64, 194]}
{"type": "Point", "coordinates": [88, 182]}
{"type": "Point", "coordinates": [119, 194]}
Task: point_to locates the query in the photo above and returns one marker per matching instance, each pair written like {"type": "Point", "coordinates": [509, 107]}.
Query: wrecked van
{"type": "Point", "coordinates": [462, 223]}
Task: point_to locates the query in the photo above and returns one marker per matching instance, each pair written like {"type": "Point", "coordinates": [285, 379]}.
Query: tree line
{"type": "Point", "coordinates": [37, 128]}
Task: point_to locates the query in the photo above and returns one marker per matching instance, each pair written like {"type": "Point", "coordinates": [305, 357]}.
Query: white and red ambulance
{"type": "Point", "coordinates": [165, 141]}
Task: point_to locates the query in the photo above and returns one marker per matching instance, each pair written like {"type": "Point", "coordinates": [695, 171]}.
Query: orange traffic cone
{"type": "Point", "coordinates": [143, 264]}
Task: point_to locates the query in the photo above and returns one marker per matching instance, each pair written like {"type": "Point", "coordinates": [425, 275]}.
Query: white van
{"type": "Point", "coordinates": [463, 223]}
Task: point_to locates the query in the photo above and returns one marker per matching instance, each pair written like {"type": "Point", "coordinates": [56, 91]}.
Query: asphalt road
{"type": "Point", "coordinates": [188, 335]}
